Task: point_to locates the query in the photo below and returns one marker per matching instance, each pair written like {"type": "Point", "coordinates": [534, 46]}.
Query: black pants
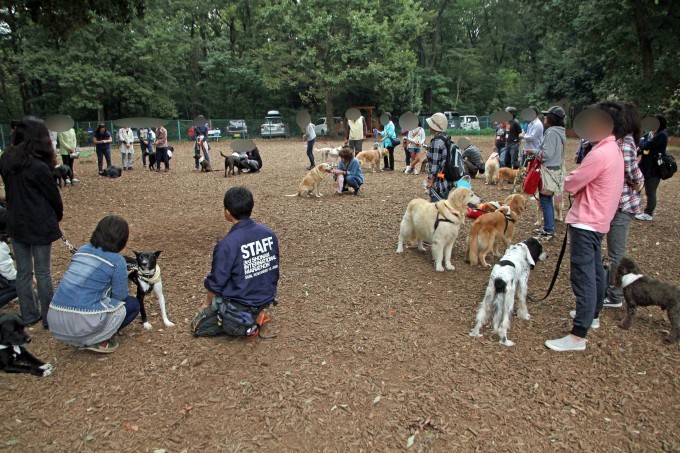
{"type": "Point", "coordinates": [389, 163]}
{"type": "Point", "coordinates": [651, 184]}
{"type": "Point", "coordinates": [68, 161]}
{"type": "Point", "coordinates": [162, 155]}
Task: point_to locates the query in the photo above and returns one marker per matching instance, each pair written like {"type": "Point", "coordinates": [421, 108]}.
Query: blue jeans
{"type": "Point", "coordinates": [548, 213]}
{"type": "Point", "coordinates": [162, 155]}
{"type": "Point", "coordinates": [352, 181]}
{"type": "Point", "coordinates": [587, 277]}
{"type": "Point", "coordinates": [509, 156]}
{"type": "Point", "coordinates": [310, 151]}
{"type": "Point", "coordinates": [101, 155]}
{"type": "Point", "coordinates": [32, 258]}
{"type": "Point", "coordinates": [197, 153]}
{"type": "Point", "coordinates": [131, 311]}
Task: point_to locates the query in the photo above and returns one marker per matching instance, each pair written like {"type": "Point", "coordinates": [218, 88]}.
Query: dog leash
{"type": "Point", "coordinates": [557, 268]}
{"type": "Point", "coordinates": [72, 249]}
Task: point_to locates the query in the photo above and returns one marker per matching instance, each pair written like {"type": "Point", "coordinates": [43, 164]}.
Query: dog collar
{"type": "Point", "coordinates": [155, 278]}
{"type": "Point", "coordinates": [629, 278]}
{"type": "Point", "coordinates": [451, 210]}
{"type": "Point", "coordinates": [17, 349]}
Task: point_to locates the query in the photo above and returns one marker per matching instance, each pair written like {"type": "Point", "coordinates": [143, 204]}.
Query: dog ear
{"type": "Point", "coordinates": [158, 253]}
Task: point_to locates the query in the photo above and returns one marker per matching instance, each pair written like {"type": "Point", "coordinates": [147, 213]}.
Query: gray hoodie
{"type": "Point", "coordinates": [553, 144]}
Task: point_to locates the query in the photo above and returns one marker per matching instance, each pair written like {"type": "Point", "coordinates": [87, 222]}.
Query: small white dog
{"type": "Point", "coordinates": [509, 277]}
{"type": "Point", "coordinates": [332, 153]}
{"type": "Point", "coordinates": [491, 169]}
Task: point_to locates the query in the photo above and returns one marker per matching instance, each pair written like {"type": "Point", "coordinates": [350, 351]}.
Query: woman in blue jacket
{"type": "Point", "coordinates": [92, 302]}
{"type": "Point", "coordinates": [350, 168]}
{"type": "Point", "coordinates": [389, 135]}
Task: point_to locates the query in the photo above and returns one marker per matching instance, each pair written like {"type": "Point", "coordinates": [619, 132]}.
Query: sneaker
{"type": "Point", "coordinates": [540, 231]}
{"type": "Point", "coordinates": [105, 347]}
{"type": "Point", "coordinates": [68, 181]}
{"type": "Point", "coordinates": [415, 172]}
{"type": "Point", "coordinates": [567, 343]}
{"type": "Point", "coordinates": [594, 325]}
{"type": "Point", "coordinates": [262, 318]}
{"type": "Point", "coordinates": [545, 236]}
{"type": "Point", "coordinates": [75, 180]}
{"type": "Point", "coordinates": [644, 217]}
{"type": "Point", "coordinates": [310, 167]}
{"type": "Point", "coordinates": [407, 170]}
{"type": "Point", "coordinates": [611, 303]}
{"type": "Point", "coordinates": [356, 191]}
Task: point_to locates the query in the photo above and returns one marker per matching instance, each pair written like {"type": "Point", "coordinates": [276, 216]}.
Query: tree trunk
{"type": "Point", "coordinates": [329, 113]}
{"type": "Point", "coordinates": [644, 41]}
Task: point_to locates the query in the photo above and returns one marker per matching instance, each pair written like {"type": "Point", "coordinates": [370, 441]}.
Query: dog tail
{"type": "Point", "coordinates": [499, 285]}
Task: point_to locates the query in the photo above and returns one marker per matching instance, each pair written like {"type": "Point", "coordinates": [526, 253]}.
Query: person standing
{"type": "Point", "coordinates": [68, 148]}
{"type": "Point", "coordinates": [414, 141]}
{"type": "Point", "coordinates": [161, 145]}
{"type": "Point", "coordinates": [310, 137]}
{"type": "Point", "coordinates": [437, 184]}
{"type": "Point", "coordinates": [142, 134]}
{"type": "Point", "coordinates": [629, 203]}
{"type": "Point", "coordinates": [500, 137]}
{"type": "Point", "coordinates": [389, 138]}
{"type": "Point", "coordinates": [34, 210]}
{"type": "Point", "coordinates": [102, 142]}
{"type": "Point", "coordinates": [126, 140]}
{"type": "Point", "coordinates": [551, 154]}
{"type": "Point", "coordinates": [596, 185]}
{"type": "Point", "coordinates": [355, 134]}
{"type": "Point", "coordinates": [652, 148]}
{"type": "Point", "coordinates": [510, 154]}
{"type": "Point", "coordinates": [534, 134]}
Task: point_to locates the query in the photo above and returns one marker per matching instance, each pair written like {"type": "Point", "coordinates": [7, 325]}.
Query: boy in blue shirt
{"type": "Point", "coordinates": [244, 274]}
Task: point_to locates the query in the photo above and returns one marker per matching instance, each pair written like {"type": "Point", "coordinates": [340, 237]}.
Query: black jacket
{"type": "Point", "coordinates": [512, 137]}
{"type": "Point", "coordinates": [650, 150]}
{"type": "Point", "coordinates": [255, 155]}
{"type": "Point", "coordinates": [34, 207]}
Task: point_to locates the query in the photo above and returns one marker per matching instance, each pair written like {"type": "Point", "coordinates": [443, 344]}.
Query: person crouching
{"type": "Point", "coordinates": [348, 172]}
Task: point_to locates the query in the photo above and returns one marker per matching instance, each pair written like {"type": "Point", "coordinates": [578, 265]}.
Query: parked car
{"type": "Point", "coordinates": [454, 119]}
{"type": "Point", "coordinates": [274, 126]}
{"type": "Point", "coordinates": [469, 123]}
{"type": "Point", "coordinates": [237, 129]}
{"type": "Point", "coordinates": [321, 128]}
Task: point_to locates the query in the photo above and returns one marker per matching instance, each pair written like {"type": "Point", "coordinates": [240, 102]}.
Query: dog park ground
{"type": "Point", "coordinates": [367, 350]}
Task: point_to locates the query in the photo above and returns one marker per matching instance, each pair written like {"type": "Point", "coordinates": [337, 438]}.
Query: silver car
{"type": "Point", "coordinates": [274, 126]}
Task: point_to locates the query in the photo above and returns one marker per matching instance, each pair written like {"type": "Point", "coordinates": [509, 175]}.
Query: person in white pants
{"type": "Point", "coordinates": [126, 140]}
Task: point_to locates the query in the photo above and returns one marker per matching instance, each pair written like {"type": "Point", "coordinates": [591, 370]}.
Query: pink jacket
{"type": "Point", "coordinates": [597, 184]}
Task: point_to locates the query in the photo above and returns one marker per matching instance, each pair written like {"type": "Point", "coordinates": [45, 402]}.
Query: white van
{"type": "Point", "coordinates": [469, 123]}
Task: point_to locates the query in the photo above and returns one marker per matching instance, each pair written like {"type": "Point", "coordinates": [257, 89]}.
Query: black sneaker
{"type": "Point", "coordinates": [356, 191]}
{"type": "Point", "coordinates": [611, 303]}
{"type": "Point", "coordinates": [545, 236]}
{"type": "Point", "coordinates": [310, 167]}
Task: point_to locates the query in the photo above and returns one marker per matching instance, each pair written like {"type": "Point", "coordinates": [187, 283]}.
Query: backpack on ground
{"type": "Point", "coordinates": [667, 165]}
{"type": "Point", "coordinates": [454, 167]}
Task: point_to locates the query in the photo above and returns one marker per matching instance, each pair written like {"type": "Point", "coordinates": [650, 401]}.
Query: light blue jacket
{"type": "Point", "coordinates": [352, 169]}
{"type": "Point", "coordinates": [95, 282]}
{"type": "Point", "coordinates": [388, 133]}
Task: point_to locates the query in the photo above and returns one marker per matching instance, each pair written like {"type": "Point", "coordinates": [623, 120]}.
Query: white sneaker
{"type": "Point", "coordinates": [75, 180]}
{"type": "Point", "coordinates": [415, 172]}
{"type": "Point", "coordinates": [68, 181]}
{"type": "Point", "coordinates": [566, 344]}
{"type": "Point", "coordinates": [644, 217]}
{"type": "Point", "coordinates": [594, 325]}
{"type": "Point", "coordinates": [407, 170]}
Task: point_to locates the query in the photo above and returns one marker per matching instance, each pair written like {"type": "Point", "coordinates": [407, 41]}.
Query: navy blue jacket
{"type": "Point", "coordinates": [650, 150]}
{"type": "Point", "coordinates": [245, 265]}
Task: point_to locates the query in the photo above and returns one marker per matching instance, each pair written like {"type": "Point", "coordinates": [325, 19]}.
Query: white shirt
{"type": "Point", "coordinates": [7, 268]}
{"type": "Point", "coordinates": [310, 133]}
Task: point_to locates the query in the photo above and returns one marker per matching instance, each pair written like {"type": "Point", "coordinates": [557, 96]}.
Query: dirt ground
{"type": "Point", "coordinates": [371, 349]}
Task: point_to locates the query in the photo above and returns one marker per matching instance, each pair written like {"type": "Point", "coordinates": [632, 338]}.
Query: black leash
{"type": "Point", "coordinates": [557, 268]}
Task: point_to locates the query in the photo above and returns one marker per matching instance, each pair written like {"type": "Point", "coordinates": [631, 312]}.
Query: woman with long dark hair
{"type": "Point", "coordinates": [34, 210]}
{"type": "Point", "coordinates": [652, 148]}
{"type": "Point", "coordinates": [102, 142]}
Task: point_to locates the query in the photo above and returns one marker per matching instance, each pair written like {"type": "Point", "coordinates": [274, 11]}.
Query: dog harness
{"type": "Point", "coordinates": [150, 280]}
{"type": "Point", "coordinates": [441, 218]}
{"type": "Point", "coordinates": [508, 219]}
{"type": "Point", "coordinates": [630, 278]}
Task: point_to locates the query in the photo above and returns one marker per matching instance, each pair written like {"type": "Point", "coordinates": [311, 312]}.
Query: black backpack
{"type": "Point", "coordinates": [454, 168]}
{"type": "Point", "coordinates": [667, 166]}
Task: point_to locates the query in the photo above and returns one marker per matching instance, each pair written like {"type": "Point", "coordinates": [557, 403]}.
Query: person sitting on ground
{"type": "Point", "coordinates": [473, 160]}
{"type": "Point", "coordinates": [348, 172]}
{"type": "Point", "coordinates": [92, 303]}
{"type": "Point", "coordinates": [251, 160]}
{"type": "Point", "coordinates": [244, 275]}
{"type": "Point", "coordinates": [414, 141]}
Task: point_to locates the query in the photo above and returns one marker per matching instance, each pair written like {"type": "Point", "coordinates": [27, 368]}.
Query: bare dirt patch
{"type": "Point", "coordinates": [371, 348]}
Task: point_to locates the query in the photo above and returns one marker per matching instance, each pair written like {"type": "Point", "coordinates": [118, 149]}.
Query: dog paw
{"type": "Point", "coordinates": [439, 268]}
{"type": "Point", "coordinates": [47, 370]}
{"type": "Point", "coordinates": [147, 325]}
{"type": "Point", "coordinates": [506, 342]}
{"type": "Point", "coordinates": [450, 267]}
{"type": "Point", "coordinates": [524, 316]}
{"type": "Point", "coordinates": [475, 333]}
{"type": "Point", "coordinates": [169, 324]}
{"type": "Point", "coordinates": [400, 250]}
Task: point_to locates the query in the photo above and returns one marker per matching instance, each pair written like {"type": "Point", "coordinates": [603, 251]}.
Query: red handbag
{"type": "Point", "coordinates": [532, 183]}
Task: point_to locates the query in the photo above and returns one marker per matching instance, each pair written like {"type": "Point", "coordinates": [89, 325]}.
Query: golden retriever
{"type": "Point", "coordinates": [489, 230]}
{"type": "Point", "coordinates": [491, 169]}
{"type": "Point", "coordinates": [437, 223]}
{"type": "Point", "coordinates": [372, 158]}
{"type": "Point", "coordinates": [507, 175]}
{"type": "Point", "coordinates": [311, 182]}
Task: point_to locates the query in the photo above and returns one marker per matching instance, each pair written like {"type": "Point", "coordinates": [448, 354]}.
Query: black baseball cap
{"type": "Point", "coordinates": [555, 110]}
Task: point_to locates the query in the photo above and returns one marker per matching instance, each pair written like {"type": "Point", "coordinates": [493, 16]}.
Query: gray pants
{"type": "Point", "coordinates": [30, 257]}
{"type": "Point", "coordinates": [617, 244]}
{"type": "Point", "coordinates": [355, 145]}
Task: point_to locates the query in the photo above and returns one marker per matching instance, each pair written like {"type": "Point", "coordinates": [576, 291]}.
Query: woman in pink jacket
{"type": "Point", "coordinates": [596, 186]}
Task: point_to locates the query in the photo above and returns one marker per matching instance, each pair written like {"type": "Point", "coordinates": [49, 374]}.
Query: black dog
{"type": "Point", "coordinates": [146, 275]}
{"type": "Point", "coordinates": [641, 291]}
{"type": "Point", "coordinates": [111, 172]}
{"type": "Point", "coordinates": [12, 350]}
{"type": "Point", "coordinates": [63, 173]}
{"type": "Point", "coordinates": [231, 162]}
{"type": "Point", "coordinates": [152, 157]}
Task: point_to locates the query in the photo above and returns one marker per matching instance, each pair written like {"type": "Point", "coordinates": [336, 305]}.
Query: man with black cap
{"type": "Point", "coordinates": [510, 154]}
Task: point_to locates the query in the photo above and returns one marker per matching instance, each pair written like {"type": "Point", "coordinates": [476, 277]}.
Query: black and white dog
{"type": "Point", "coordinates": [13, 337]}
{"type": "Point", "coordinates": [509, 277]}
{"type": "Point", "coordinates": [152, 157]}
{"type": "Point", "coordinates": [63, 173]}
{"type": "Point", "coordinates": [146, 275]}
{"type": "Point", "coordinates": [642, 291]}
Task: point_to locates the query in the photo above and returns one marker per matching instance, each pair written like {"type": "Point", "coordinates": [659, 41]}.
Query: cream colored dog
{"type": "Point", "coordinates": [311, 182]}
{"type": "Point", "coordinates": [558, 207]}
{"type": "Point", "coordinates": [491, 169]}
{"type": "Point", "coordinates": [437, 223]}
{"type": "Point", "coordinates": [371, 158]}
{"type": "Point", "coordinates": [329, 154]}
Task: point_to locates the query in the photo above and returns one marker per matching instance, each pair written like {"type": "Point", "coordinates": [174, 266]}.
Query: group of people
{"type": "Point", "coordinates": [150, 142]}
